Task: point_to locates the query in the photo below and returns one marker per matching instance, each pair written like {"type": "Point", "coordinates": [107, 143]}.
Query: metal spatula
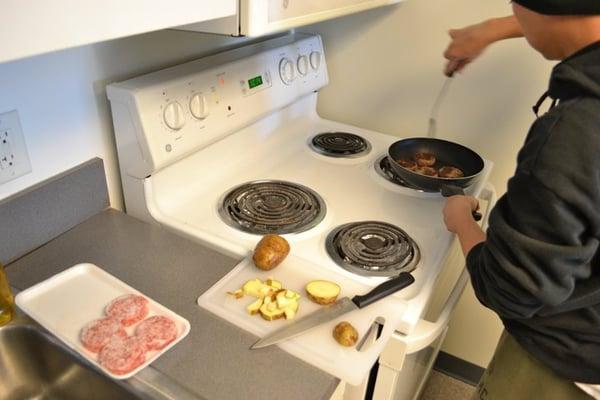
{"type": "Point", "coordinates": [436, 105]}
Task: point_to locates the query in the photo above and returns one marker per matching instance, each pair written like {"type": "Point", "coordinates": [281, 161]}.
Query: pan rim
{"type": "Point", "coordinates": [437, 178]}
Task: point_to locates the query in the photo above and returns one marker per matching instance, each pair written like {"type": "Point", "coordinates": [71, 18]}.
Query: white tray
{"type": "Point", "coordinates": [67, 301]}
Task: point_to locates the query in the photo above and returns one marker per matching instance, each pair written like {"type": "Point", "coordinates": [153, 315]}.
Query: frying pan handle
{"type": "Point", "coordinates": [453, 190]}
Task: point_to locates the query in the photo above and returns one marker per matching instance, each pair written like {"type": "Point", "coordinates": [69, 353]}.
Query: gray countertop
{"type": "Point", "coordinates": [213, 360]}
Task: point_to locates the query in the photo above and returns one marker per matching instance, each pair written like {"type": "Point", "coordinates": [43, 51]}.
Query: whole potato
{"type": "Point", "coordinates": [345, 334]}
{"type": "Point", "coordinates": [270, 252]}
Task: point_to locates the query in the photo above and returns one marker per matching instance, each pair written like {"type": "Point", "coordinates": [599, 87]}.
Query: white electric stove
{"type": "Point", "coordinates": [230, 147]}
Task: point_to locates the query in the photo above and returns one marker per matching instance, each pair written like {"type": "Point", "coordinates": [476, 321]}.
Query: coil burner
{"type": "Point", "coordinates": [383, 168]}
{"type": "Point", "coordinates": [270, 206]}
{"type": "Point", "coordinates": [340, 144]}
{"type": "Point", "coordinates": [372, 248]}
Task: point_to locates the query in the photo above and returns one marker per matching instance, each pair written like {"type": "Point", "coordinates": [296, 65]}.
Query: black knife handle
{"type": "Point", "coordinates": [385, 289]}
{"type": "Point", "coordinates": [453, 190]}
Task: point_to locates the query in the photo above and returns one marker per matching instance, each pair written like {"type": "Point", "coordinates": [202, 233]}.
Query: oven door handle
{"type": "Point", "coordinates": [427, 332]}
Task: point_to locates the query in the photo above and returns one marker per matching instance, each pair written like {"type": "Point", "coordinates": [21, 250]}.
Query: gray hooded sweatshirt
{"type": "Point", "coordinates": [539, 268]}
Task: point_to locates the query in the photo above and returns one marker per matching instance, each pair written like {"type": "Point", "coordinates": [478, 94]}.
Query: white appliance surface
{"type": "Point", "coordinates": [186, 196]}
{"type": "Point", "coordinates": [188, 134]}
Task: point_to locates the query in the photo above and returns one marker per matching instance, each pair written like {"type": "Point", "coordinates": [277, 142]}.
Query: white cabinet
{"type": "Point", "coordinates": [260, 17]}
{"type": "Point", "coordinates": [32, 27]}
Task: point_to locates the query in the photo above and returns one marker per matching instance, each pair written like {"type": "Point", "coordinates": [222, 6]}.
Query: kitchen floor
{"type": "Point", "coordinates": [443, 387]}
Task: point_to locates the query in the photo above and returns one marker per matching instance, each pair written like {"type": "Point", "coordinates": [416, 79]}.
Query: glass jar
{"type": "Point", "coordinates": [7, 302]}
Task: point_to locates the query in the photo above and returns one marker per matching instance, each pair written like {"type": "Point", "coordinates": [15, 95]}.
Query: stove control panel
{"type": "Point", "coordinates": [315, 60]}
{"type": "Point", "coordinates": [256, 83]}
{"type": "Point", "coordinates": [287, 73]}
{"type": "Point", "coordinates": [172, 113]}
{"type": "Point", "coordinates": [199, 106]}
{"type": "Point", "coordinates": [174, 116]}
{"type": "Point", "coordinates": [302, 65]}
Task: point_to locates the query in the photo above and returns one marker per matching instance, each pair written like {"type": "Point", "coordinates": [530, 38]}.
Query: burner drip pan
{"type": "Point", "coordinates": [372, 248]}
{"type": "Point", "coordinates": [271, 206]}
{"type": "Point", "coordinates": [340, 144]}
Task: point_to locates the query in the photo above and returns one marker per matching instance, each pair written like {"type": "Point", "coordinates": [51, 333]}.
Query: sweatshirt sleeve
{"type": "Point", "coordinates": [536, 249]}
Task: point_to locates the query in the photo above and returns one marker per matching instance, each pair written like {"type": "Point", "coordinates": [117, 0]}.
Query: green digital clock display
{"type": "Point", "coordinates": [254, 82]}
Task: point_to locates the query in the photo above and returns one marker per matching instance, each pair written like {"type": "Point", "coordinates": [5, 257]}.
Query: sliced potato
{"type": "Point", "coordinates": [291, 310]}
{"type": "Point", "coordinates": [266, 290]}
{"type": "Point", "coordinates": [271, 314]}
{"type": "Point", "coordinates": [323, 292]}
{"type": "Point", "coordinates": [274, 284]}
{"type": "Point", "coordinates": [270, 251]}
{"type": "Point", "coordinates": [345, 334]}
{"type": "Point", "coordinates": [252, 288]}
{"type": "Point", "coordinates": [284, 302]}
{"type": "Point", "coordinates": [254, 307]}
{"type": "Point", "coordinates": [257, 288]}
{"type": "Point", "coordinates": [272, 300]}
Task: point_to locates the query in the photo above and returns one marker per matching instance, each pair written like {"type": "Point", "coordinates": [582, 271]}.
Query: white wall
{"type": "Point", "coordinates": [62, 102]}
{"type": "Point", "coordinates": [385, 69]}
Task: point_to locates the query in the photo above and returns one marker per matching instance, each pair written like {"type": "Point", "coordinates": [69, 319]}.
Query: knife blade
{"type": "Point", "coordinates": [331, 312]}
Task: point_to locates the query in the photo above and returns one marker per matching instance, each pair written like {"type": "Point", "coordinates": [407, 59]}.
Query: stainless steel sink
{"type": "Point", "coordinates": [34, 365]}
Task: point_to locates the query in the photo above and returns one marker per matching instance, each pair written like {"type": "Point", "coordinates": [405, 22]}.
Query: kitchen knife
{"type": "Point", "coordinates": [340, 307]}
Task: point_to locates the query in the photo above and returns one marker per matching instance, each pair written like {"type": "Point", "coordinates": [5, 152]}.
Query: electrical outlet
{"type": "Point", "coordinates": [14, 160]}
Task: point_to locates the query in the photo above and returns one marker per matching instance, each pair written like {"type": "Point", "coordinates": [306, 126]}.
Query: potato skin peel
{"type": "Point", "coordinates": [270, 251]}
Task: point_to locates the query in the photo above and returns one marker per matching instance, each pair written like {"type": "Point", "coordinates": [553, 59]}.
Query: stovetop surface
{"type": "Point", "coordinates": [187, 196]}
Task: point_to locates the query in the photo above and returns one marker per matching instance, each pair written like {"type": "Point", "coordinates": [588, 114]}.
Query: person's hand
{"type": "Point", "coordinates": [458, 212]}
{"type": "Point", "coordinates": [466, 45]}
{"type": "Point", "coordinates": [469, 42]}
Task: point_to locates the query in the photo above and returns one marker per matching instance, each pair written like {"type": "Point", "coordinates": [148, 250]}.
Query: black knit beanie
{"type": "Point", "coordinates": [562, 7]}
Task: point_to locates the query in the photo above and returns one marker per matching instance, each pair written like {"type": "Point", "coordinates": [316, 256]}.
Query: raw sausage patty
{"type": "Point", "coordinates": [95, 335]}
{"type": "Point", "coordinates": [128, 309]}
{"type": "Point", "coordinates": [122, 355]}
{"type": "Point", "coordinates": [156, 332]}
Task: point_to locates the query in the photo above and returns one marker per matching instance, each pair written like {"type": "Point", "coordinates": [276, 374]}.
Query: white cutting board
{"type": "Point", "coordinates": [317, 346]}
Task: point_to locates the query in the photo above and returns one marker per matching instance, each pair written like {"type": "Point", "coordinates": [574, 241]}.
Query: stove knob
{"type": "Point", "coordinates": [199, 106]}
{"type": "Point", "coordinates": [174, 116]}
{"type": "Point", "coordinates": [302, 65]}
{"type": "Point", "coordinates": [315, 60]}
{"type": "Point", "coordinates": [286, 71]}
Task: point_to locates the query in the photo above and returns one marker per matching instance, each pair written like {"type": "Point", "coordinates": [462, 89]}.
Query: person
{"type": "Point", "coordinates": [538, 264]}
